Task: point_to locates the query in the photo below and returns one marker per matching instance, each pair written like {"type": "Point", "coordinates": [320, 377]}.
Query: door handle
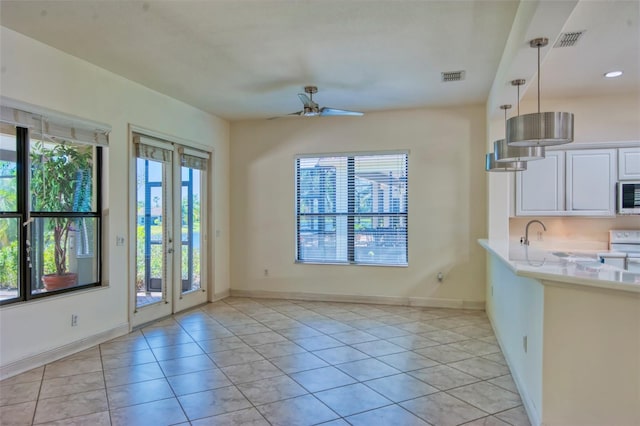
{"type": "Point", "coordinates": [170, 250]}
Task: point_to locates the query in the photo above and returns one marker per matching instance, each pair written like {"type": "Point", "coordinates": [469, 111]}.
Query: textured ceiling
{"type": "Point", "coordinates": [243, 59]}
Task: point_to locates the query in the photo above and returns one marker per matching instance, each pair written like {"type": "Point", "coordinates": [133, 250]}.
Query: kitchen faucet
{"type": "Point", "coordinates": [526, 231]}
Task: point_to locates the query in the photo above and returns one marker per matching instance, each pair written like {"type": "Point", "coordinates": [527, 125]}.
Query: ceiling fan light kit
{"type": "Point", "coordinates": [541, 128]}
{"type": "Point", "coordinates": [312, 109]}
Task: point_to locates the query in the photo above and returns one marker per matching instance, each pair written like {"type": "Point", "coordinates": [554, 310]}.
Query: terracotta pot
{"type": "Point", "coordinates": [56, 282]}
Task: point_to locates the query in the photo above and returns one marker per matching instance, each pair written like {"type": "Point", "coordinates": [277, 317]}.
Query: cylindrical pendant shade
{"type": "Point", "coordinates": [505, 153]}
{"type": "Point", "coordinates": [540, 129]}
{"type": "Point", "coordinates": [514, 166]}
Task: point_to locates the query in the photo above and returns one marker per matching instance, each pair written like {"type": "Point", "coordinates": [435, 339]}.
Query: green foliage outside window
{"type": "Point", "coordinates": [9, 265]}
{"type": "Point", "coordinates": [61, 182]}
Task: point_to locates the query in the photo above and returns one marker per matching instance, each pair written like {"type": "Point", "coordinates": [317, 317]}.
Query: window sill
{"type": "Point", "coordinates": [387, 265]}
{"type": "Point", "coordinates": [33, 302]}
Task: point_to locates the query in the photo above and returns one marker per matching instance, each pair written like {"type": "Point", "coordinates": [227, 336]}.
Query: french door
{"type": "Point", "coordinates": [170, 228]}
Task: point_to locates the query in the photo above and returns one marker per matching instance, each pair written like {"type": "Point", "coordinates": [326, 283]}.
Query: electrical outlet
{"type": "Point", "coordinates": [119, 240]}
{"type": "Point", "coordinates": [74, 320]}
{"type": "Point", "coordinates": [525, 343]}
{"type": "Point", "coordinates": [492, 290]}
{"type": "Point", "coordinates": [266, 272]}
{"type": "Point", "coordinates": [539, 235]}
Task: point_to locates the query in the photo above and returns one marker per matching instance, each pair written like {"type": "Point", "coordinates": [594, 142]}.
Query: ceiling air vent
{"type": "Point", "coordinates": [569, 39]}
{"type": "Point", "coordinates": [452, 76]}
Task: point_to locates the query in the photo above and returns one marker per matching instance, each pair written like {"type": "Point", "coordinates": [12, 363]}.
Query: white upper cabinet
{"type": "Point", "coordinates": [591, 180]}
{"type": "Point", "coordinates": [577, 182]}
{"type": "Point", "coordinates": [540, 189]}
{"type": "Point", "coordinates": [629, 163]}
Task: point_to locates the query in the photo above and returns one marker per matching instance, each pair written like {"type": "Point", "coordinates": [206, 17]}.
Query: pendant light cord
{"type": "Point", "coordinates": [538, 78]}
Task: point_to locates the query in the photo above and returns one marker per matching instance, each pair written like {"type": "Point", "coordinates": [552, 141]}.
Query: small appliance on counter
{"type": "Point", "coordinates": [624, 250]}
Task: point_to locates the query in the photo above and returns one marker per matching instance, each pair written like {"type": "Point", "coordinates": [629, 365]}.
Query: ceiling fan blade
{"type": "Point", "coordinates": [337, 112]}
{"type": "Point", "coordinates": [286, 115]}
{"type": "Point", "coordinates": [306, 101]}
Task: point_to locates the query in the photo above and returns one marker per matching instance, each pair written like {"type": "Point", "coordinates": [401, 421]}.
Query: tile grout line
{"type": "Point", "coordinates": [104, 381]}
{"type": "Point", "coordinates": [35, 408]}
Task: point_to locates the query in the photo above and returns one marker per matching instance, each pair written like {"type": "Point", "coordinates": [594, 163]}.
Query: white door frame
{"type": "Point", "coordinates": [175, 301]}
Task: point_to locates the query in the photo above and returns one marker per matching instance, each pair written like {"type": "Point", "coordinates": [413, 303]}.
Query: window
{"type": "Point", "coordinates": [352, 209]}
{"type": "Point", "coordinates": [50, 206]}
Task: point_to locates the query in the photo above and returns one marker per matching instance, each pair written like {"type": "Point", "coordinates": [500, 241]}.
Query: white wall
{"type": "Point", "coordinates": [515, 306]}
{"type": "Point", "coordinates": [37, 74]}
{"type": "Point", "coordinates": [591, 371]}
{"type": "Point", "coordinates": [446, 203]}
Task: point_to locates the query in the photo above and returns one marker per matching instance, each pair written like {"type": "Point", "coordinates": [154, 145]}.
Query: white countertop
{"type": "Point", "coordinates": [580, 267]}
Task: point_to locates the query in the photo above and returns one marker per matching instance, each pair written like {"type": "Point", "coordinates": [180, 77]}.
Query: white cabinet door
{"type": "Point", "coordinates": [591, 179]}
{"type": "Point", "coordinates": [540, 189]}
{"type": "Point", "coordinates": [629, 163]}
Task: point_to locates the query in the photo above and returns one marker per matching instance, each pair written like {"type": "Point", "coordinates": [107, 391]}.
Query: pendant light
{"type": "Point", "coordinates": [501, 149]}
{"type": "Point", "coordinates": [491, 165]}
{"type": "Point", "coordinates": [541, 128]}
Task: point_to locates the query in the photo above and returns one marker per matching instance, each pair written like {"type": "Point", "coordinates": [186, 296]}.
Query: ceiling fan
{"type": "Point", "coordinates": [312, 109]}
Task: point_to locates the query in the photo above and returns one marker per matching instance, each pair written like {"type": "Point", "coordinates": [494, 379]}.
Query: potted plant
{"type": "Point", "coordinates": [60, 183]}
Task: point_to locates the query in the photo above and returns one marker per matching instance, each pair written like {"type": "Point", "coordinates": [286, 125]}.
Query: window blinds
{"type": "Point", "coordinates": [153, 149]}
{"type": "Point", "coordinates": [55, 126]}
{"type": "Point", "coordinates": [159, 150]}
{"type": "Point", "coordinates": [352, 208]}
{"type": "Point", "coordinates": [193, 159]}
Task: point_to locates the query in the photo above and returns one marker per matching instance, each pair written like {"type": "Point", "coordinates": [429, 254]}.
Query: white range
{"type": "Point", "coordinates": [624, 250]}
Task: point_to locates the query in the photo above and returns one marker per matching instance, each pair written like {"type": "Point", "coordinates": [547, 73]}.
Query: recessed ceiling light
{"type": "Point", "coordinates": [613, 74]}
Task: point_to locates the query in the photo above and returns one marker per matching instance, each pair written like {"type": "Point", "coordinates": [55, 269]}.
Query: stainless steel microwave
{"type": "Point", "coordinates": [628, 194]}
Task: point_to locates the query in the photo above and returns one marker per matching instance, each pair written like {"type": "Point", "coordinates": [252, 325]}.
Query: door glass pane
{"type": "Point", "coordinates": [150, 231]}
{"type": "Point", "coordinates": [63, 253]}
{"type": "Point", "coordinates": [9, 258]}
{"type": "Point", "coordinates": [190, 224]}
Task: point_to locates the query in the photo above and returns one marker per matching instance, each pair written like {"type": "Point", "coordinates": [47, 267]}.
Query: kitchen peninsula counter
{"type": "Point", "coordinates": [577, 267]}
{"type": "Point", "coordinates": [569, 328]}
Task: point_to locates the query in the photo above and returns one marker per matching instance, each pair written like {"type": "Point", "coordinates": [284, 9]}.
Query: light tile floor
{"type": "Point", "coordinates": [280, 362]}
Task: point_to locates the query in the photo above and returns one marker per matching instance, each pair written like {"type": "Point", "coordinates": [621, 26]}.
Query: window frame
{"type": "Point", "coordinates": [24, 211]}
{"type": "Point", "coordinates": [351, 214]}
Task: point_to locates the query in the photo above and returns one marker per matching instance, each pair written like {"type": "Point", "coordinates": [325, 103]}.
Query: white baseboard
{"type": "Point", "coordinates": [530, 408]}
{"type": "Point", "coordinates": [378, 300]}
{"type": "Point", "coordinates": [430, 302]}
{"type": "Point", "coordinates": [221, 295]}
{"type": "Point", "coordinates": [46, 357]}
